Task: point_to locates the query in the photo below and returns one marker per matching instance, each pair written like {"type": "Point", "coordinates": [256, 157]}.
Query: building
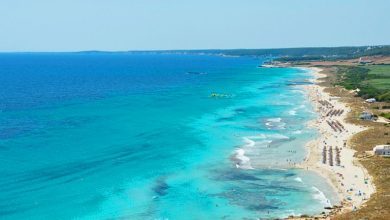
{"type": "Point", "coordinates": [364, 60]}
{"type": "Point", "coordinates": [367, 116]}
{"type": "Point", "coordinates": [382, 150]}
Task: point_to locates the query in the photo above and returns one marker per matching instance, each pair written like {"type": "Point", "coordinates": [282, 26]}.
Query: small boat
{"type": "Point", "coordinates": [219, 95]}
{"type": "Point", "coordinates": [196, 73]}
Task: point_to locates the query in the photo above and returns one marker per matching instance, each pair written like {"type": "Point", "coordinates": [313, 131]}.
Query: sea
{"type": "Point", "coordinates": [95, 135]}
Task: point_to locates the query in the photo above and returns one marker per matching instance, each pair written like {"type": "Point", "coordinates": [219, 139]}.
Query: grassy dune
{"type": "Point", "coordinates": [372, 81]}
{"type": "Point", "coordinates": [378, 207]}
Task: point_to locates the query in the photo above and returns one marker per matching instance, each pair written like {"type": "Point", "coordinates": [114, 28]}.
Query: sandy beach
{"type": "Point", "coordinates": [330, 155]}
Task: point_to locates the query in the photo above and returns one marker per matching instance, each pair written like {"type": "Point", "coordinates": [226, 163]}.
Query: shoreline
{"type": "Point", "coordinates": [349, 179]}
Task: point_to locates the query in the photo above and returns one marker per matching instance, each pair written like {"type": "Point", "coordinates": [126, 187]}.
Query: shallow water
{"type": "Point", "coordinates": [117, 135]}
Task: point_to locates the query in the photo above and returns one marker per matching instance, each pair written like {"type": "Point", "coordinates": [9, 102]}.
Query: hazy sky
{"type": "Point", "coordinates": [74, 25]}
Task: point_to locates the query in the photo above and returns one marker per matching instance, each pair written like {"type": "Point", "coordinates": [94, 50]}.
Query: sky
{"type": "Point", "coordinates": [120, 25]}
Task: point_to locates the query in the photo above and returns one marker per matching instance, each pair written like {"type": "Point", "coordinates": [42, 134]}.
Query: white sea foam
{"type": "Point", "coordinates": [297, 132]}
{"type": "Point", "coordinates": [301, 106]}
{"type": "Point", "coordinates": [256, 137]}
{"type": "Point", "coordinates": [320, 196]}
{"type": "Point", "coordinates": [261, 140]}
{"type": "Point", "coordinates": [292, 112]}
{"type": "Point", "coordinates": [274, 119]}
{"type": "Point", "coordinates": [273, 123]}
{"type": "Point", "coordinates": [278, 136]}
{"type": "Point", "coordinates": [244, 162]}
{"type": "Point", "coordinates": [298, 179]}
{"type": "Point", "coordinates": [252, 145]}
{"type": "Point", "coordinates": [249, 142]}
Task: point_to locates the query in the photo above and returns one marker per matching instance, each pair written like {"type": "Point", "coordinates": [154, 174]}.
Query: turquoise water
{"type": "Point", "coordinates": [125, 136]}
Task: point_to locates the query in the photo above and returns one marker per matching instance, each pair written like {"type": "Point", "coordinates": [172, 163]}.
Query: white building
{"type": "Point", "coordinates": [382, 150]}
{"type": "Point", "coordinates": [364, 60]}
{"type": "Point", "coordinates": [366, 116]}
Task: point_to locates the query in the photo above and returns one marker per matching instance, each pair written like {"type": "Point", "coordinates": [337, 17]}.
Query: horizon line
{"type": "Point", "coordinates": [183, 50]}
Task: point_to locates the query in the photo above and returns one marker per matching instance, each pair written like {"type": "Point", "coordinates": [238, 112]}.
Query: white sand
{"type": "Point", "coordinates": [350, 179]}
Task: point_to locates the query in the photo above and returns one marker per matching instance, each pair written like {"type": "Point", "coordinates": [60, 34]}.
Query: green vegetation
{"type": "Point", "coordinates": [385, 115]}
{"type": "Point", "coordinates": [379, 70]}
{"type": "Point", "coordinates": [372, 81]}
{"type": "Point", "coordinates": [293, 54]}
{"type": "Point", "coordinates": [351, 77]}
{"type": "Point", "coordinates": [330, 53]}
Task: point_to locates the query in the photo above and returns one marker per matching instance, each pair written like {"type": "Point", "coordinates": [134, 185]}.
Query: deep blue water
{"type": "Point", "coordinates": [117, 135]}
